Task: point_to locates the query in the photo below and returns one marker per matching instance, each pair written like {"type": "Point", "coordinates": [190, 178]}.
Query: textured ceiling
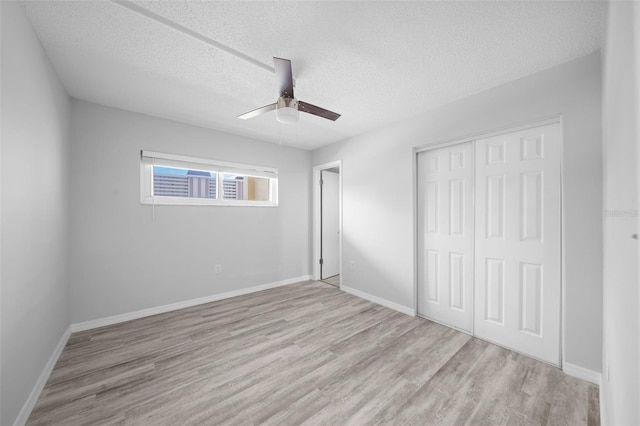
{"type": "Point", "coordinates": [372, 62]}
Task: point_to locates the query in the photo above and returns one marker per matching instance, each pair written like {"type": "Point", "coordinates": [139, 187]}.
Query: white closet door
{"type": "Point", "coordinates": [445, 235]}
{"type": "Point", "coordinates": [517, 254]}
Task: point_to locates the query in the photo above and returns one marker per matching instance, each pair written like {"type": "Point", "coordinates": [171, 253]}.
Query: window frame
{"type": "Point", "coordinates": [149, 159]}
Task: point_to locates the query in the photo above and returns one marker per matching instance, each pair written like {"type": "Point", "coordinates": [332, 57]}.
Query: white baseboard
{"type": "Point", "coordinates": [101, 322]}
{"type": "Point", "coordinates": [581, 373]}
{"type": "Point", "coordinates": [25, 412]}
{"type": "Point", "coordinates": [379, 300]}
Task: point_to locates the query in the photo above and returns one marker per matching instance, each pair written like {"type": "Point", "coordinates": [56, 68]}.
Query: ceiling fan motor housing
{"type": "Point", "coordinates": [287, 110]}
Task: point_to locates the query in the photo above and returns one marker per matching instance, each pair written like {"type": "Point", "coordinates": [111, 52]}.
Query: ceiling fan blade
{"type": "Point", "coordinates": [284, 77]}
{"type": "Point", "coordinates": [257, 111]}
{"type": "Point", "coordinates": [320, 112]}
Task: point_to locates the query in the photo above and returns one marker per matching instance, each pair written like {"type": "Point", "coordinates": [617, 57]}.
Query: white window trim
{"type": "Point", "coordinates": [149, 159]}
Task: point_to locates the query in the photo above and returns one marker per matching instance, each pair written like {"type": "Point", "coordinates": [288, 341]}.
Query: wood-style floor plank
{"type": "Point", "coordinates": [301, 354]}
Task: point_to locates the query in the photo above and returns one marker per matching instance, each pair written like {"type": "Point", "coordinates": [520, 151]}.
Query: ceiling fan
{"type": "Point", "coordinates": [287, 107]}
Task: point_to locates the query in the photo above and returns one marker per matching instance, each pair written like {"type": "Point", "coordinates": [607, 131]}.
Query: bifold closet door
{"type": "Point", "coordinates": [445, 235]}
{"type": "Point", "coordinates": [518, 241]}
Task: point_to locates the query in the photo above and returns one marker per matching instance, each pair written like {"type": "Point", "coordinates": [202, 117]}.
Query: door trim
{"type": "Point", "coordinates": [557, 118]}
{"type": "Point", "coordinates": [553, 119]}
{"type": "Point", "coordinates": [317, 216]}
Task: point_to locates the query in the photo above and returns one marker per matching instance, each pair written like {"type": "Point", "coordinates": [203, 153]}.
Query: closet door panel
{"type": "Point", "coordinates": [445, 235]}
{"type": "Point", "coordinates": [518, 241]}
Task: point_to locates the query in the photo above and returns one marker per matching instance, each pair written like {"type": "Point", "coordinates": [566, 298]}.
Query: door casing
{"type": "Point", "coordinates": [330, 223]}
{"type": "Point", "coordinates": [317, 216]}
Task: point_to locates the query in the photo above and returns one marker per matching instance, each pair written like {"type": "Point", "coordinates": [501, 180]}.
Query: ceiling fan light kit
{"type": "Point", "coordinates": [287, 107]}
{"type": "Point", "coordinates": [287, 110]}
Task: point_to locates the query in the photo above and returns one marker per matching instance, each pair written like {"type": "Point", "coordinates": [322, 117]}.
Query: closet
{"type": "Point", "coordinates": [489, 238]}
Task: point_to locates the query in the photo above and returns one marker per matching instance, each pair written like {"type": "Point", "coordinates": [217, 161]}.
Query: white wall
{"type": "Point", "coordinates": [124, 261]}
{"type": "Point", "coordinates": [378, 183]}
{"type": "Point", "coordinates": [620, 390]}
{"type": "Point", "coordinates": [34, 277]}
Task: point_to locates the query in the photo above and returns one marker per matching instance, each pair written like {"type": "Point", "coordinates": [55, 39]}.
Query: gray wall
{"type": "Point", "coordinates": [123, 260]}
{"type": "Point", "coordinates": [34, 214]}
{"type": "Point", "coordinates": [620, 392]}
{"type": "Point", "coordinates": [378, 185]}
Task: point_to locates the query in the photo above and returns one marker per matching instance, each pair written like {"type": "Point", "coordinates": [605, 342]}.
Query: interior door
{"type": "Point", "coordinates": [445, 235]}
{"type": "Point", "coordinates": [518, 252]}
{"type": "Point", "coordinates": [330, 205]}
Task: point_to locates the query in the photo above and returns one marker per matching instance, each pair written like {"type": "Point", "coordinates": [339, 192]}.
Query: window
{"type": "Point", "coordinates": [176, 179]}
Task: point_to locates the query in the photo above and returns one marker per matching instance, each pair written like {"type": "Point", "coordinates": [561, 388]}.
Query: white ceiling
{"type": "Point", "coordinates": [372, 62]}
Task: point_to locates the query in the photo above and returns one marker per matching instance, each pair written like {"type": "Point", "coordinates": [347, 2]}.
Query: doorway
{"type": "Point", "coordinates": [489, 238]}
{"type": "Point", "coordinates": [327, 223]}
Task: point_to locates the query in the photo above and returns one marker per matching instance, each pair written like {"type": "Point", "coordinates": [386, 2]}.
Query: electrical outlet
{"type": "Point", "coordinates": [217, 268]}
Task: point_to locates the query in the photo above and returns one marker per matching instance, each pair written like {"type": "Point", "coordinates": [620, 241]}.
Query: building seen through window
{"type": "Point", "coordinates": [176, 182]}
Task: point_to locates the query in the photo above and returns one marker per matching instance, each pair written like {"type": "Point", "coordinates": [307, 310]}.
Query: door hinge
{"type": "Point", "coordinates": [321, 261]}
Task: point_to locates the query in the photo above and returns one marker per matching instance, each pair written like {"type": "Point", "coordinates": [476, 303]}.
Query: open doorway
{"type": "Point", "coordinates": [327, 223]}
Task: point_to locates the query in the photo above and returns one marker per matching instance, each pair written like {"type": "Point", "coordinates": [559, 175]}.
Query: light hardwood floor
{"type": "Point", "coordinates": [304, 353]}
{"type": "Point", "coordinates": [334, 280]}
